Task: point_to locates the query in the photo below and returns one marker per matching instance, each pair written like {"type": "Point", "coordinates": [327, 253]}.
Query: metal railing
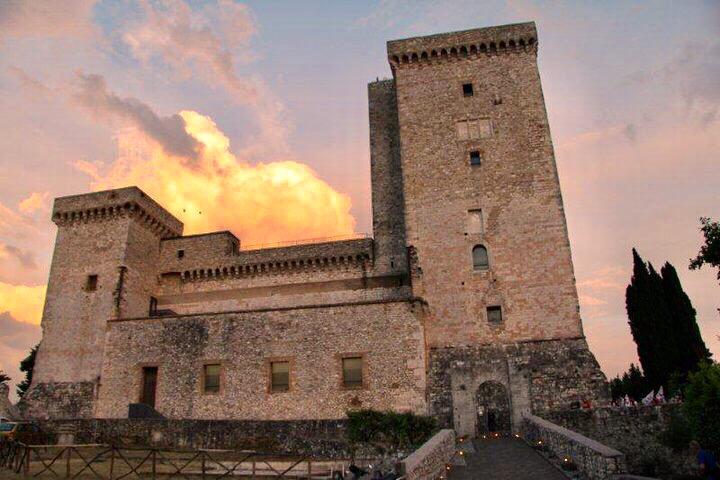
{"type": "Point", "coordinates": [115, 463]}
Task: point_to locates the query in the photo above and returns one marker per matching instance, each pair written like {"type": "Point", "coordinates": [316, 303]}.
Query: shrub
{"type": "Point", "coordinates": [389, 431]}
{"type": "Point", "coordinates": [702, 405]}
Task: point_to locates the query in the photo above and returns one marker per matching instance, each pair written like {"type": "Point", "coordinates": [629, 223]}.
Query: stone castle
{"type": "Point", "coordinates": [462, 305]}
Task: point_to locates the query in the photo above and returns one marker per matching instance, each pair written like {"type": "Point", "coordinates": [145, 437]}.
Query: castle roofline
{"type": "Point", "coordinates": [496, 39]}
{"type": "Point", "coordinates": [116, 202]}
{"type": "Point", "coordinates": [227, 233]}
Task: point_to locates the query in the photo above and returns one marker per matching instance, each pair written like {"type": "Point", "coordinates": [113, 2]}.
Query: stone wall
{"type": "Point", "coordinates": [319, 438]}
{"type": "Point", "coordinates": [63, 400]}
{"type": "Point", "coordinates": [537, 376]}
{"type": "Point", "coordinates": [515, 186]}
{"type": "Point", "coordinates": [635, 432]}
{"type": "Point", "coordinates": [388, 335]}
{"type": "Point", "coordinates": [428, 462]}
{"type": "Point", "coordinates": [595, 460]}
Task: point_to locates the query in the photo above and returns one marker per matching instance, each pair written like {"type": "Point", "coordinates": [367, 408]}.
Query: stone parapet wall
{"type": "Point", "coordinates": [428, 462]}
{"type": "Point", "coordinates": [316, 438]}
{"type": "Point", "coordinates": [634, 431]}
{"type": "Point", "coordinates": [595, 460]}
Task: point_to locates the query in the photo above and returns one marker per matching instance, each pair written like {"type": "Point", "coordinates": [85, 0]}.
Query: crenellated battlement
{"type": "Point", "coordinates": [109, 204]}
{"type": "Point", "coordinates": [504, 39]}
{"type": "Point", "coordinates": [287, 260]}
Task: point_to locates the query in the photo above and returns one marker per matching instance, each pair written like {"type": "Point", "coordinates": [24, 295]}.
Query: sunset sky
{"type": "Point", "coordinates": [103, 94]}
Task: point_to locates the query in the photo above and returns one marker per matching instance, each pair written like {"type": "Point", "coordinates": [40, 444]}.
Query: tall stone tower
{"type": "Point", "coordinates": [104, 267]}
{"type": "Point", "coordinates": [485, 226]}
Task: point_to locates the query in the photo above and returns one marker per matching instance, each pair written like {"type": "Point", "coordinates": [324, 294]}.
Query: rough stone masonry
{"type": "Point", "coordinates": [462, 305]}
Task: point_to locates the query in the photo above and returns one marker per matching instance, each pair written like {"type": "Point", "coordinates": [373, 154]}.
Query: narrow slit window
{"type": "Point", "coordinates": [180, 253]}
{"type": "Point", "coordinates": [494, 315]}
{"type": "Point", "coordinates": [467, 89]}
{"type": "Point", "coordinates": [153, 306]}
{"type": "Point", "coordinates": [475, 158]}
{"type": "Point", "coordinates": [211, 378]}
{"type": "Point", "coordinates": [279, 376]}
{"type": "Point", "coordinates": [352, 370]}
{"type": "Point", "coordinates": [91, 283]}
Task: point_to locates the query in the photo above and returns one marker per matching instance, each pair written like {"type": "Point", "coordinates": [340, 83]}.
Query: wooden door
{"type": "Point", "coordinates": [149, 386]}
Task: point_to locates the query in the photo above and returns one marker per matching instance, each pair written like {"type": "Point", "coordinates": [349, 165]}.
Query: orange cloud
{"type": "Point", "coordinates": [36, 201]}
{"type": "Point", "coordinates": [24, 303]}
{"type": "Point", "coordinates": [267, 202]}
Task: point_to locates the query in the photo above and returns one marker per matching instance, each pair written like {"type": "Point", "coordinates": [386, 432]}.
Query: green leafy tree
{"type": "Point", "coordinates": [26, 366]}
{"type": "Point", "coordinates": [632, 383]}
{"type": "Point", "coordinates": [710, 252]}
{"type": "Point", "coordinates": [702, 405]}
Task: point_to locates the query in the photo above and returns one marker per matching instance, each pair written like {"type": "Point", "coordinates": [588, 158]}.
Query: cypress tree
{"type": "Point", "coordinates": [692, 349]}
{"type": "Point", "coordinates": [650, 323]}
{"type": "Point", "coordinates": [663, 325]}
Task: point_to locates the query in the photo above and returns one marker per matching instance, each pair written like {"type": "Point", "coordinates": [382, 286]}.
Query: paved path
{"type": "Point", "coordinates": [505, 459]}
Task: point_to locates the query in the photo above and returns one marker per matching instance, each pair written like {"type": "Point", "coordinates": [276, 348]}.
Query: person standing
{"type": "Point", "coordinates": [706, 462]}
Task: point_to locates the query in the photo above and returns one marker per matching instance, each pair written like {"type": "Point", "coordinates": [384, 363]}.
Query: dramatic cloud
{"type": "Point", "coordinates": [169, 132]}
{"type": "Point", "coordinates": [26, 259]}
{"type": "Point", "coordinates": [36, 201]}
{"type": "Point", "coordinates": [204, 43]}
{"type": "Point", "coordinates": [46, 18]}
{"type": "Point", "coordinates": [23, 302]}
{"type": "Point", "coordinates": [276, 201]}
{"type": "Point", "coordinates": [15, 342]}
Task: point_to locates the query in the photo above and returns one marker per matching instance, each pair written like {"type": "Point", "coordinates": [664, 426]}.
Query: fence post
{"type": "Point", "coordinates": [202, 464]}
{"type": "Point", "coordinates": [112, 460]}
{"type": "Point", "coordinates": [67, 464]}
{"type": "Point", "coordinates": [154, 456]}
{"type": "Point", "coordinates": [253, 468]}
{"type": "Point", "coordinates": [27, 461]}
{"type": "Point", "coordinates": [309, 469]}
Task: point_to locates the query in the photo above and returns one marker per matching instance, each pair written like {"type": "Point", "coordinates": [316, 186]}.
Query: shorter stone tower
{"type": "Point", "coordinates": [104, 267]}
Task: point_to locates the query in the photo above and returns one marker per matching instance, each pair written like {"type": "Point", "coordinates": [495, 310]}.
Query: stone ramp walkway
{"type": "Point", "coordinates": [505, 459]}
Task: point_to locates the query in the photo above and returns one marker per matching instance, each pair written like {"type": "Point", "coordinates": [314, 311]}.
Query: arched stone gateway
{"type": "Point", "coordinates": [493, 409]}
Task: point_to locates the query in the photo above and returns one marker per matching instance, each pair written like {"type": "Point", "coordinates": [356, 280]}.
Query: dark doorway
{"type": "Point", "coordinates": [149, 386]}
{"type": "Point", "coordinates": [493, 409]}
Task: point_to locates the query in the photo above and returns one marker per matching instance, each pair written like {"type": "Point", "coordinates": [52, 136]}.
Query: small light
{"type": "Point", "coordinates": [566, 459]}
{"type": "Point", "coordinates": [517, 435]}
{"type": "Point", "coordinates": [483, 436]}
{"type": "Point", "coordinates": [447, 467]}
{"type": "Point", "coordinates": [461, 453]}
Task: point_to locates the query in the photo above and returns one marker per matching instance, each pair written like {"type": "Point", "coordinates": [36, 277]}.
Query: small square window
{"type": "Point", "coordinates": [494, 315]}
{"type": "Point", "coordinates": [180, 253]}
{"type": "Point", "coordinates": [352, 370]}
{"type": "Point", "coordinates": [91, 283]}
{"type": "Point", "coordinates": [475, 158]}
{"type": "Point", "coordinates": [279, 376]}
{"type": "Point", "coordinates": [211, 378]}
{"type": "Point", "coordinates": [467, 89]}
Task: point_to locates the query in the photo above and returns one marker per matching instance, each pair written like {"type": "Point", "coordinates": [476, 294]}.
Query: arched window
{"type": "Point", "coordinates": [480, 257]}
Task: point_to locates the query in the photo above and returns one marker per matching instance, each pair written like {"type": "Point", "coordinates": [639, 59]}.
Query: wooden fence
{"type": "Point", "coordinates": [115, 463]}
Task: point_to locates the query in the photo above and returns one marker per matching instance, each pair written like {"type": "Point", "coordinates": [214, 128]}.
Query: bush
{"type": "Point", "coordinates": [678, 433]}
{"type": "Point", "coordinates": [389, 432]}
{"type": "Point", "coordinates": [702, 405]}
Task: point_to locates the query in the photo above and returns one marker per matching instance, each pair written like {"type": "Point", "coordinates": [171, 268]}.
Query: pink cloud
{"type": "Point", "coordinates": [34, 202]}
{"type": "Point", "coordinates": [46, 18]}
